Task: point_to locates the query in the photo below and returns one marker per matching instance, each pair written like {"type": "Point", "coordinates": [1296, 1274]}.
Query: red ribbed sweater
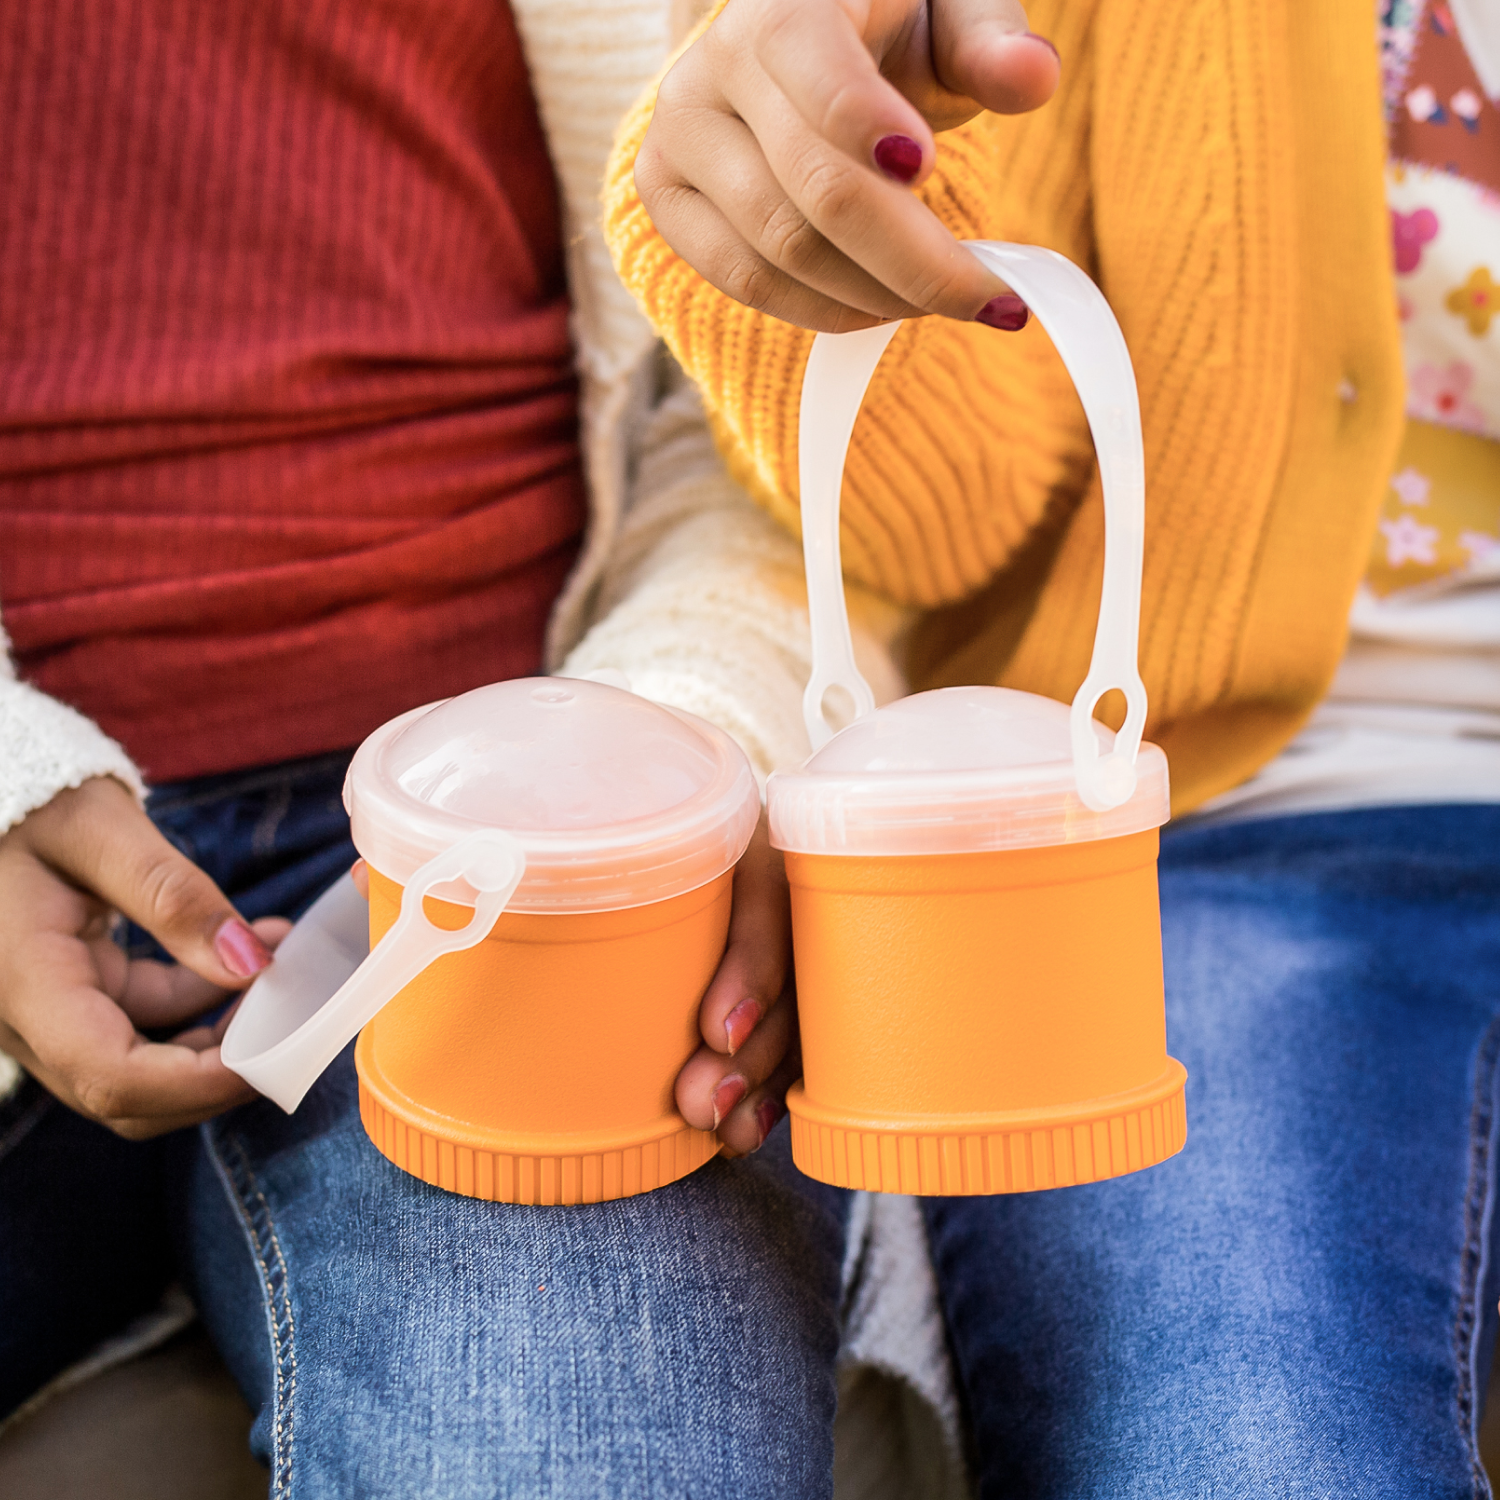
{"type": "Point", "coordinates": [288, 426]}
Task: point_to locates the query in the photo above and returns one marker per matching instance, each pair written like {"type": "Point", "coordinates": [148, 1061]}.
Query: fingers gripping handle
{"type": "Point", "coordinates": [1083, 329]}
{"type": "Point", "coordinates": [286, 1032]}
{"type": "Point", "coordinates": [838, 372]}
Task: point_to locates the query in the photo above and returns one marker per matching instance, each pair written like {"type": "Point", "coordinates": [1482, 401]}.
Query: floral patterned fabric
{"type": "Point", "coordinates": [1442, 512]}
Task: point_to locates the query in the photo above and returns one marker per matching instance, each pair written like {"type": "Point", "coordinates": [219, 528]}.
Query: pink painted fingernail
{"type": "Point", "coordinates": [767, 1113]}
{"type": "Point", "coordinates": [899, 157]}
{"type": "Point", "coordinates": [1048, 45]}
{"type": "Point", "coordinates": [239, 950]}
{"type": "Point", "coordinates": [740, 1022]}
{"type": "Point", "coordinates": [1007, 313]}
{"type": "Point", "coordinates": [729, 1093]}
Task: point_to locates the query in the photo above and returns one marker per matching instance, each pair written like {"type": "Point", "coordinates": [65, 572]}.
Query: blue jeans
{"type": "Point", "coordinates": [1300, 1304]}
{"type": "Point", "coordinates": [395, 1340]}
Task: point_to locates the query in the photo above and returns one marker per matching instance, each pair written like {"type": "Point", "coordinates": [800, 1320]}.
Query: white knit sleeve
{"type": "Point", "coordinates": [47, 747]}
{"type": "Point", "coordinates": [703, 605]}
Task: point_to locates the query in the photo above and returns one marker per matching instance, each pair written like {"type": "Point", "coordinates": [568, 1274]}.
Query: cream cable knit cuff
{"type": "Point", "coordinates": [47, 747]}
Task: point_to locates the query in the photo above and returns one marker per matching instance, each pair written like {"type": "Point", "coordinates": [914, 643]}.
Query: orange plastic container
{"type": "Point", "coordinates": [550, 871]}
{"type": "Point", "coordinates": [973, 869]}
{"type": "Point", "coordinates": [988, 1017]}
{"type": "Point", "coordinates": [538, 1067]}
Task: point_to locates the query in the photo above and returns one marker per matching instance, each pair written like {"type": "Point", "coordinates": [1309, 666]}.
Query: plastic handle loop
{"type": "Point", "coordinates": [286, 1031]}
{"type": "Point", "coordinates": [833, 386]}
{"type": "Point", "coordinates": [1088, 339]}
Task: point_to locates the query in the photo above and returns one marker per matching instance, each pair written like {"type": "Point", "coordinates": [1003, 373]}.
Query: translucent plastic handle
{"type": "Point", "coordinates": [1087, 337]}
{"type": "Point", "coordinates": [1084, 331]}
{"type": "Point", "coordinates": [287, 1030]}
{"type": "Point", "coordinates": [833, 386]}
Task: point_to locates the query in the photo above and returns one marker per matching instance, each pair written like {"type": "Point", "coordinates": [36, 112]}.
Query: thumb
{"type": "Point", "coordinates": [99, 838]}
{"type": "Point", "coordinates": [982, 50]}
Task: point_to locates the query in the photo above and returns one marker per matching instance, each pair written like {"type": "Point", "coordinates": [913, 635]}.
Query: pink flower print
{"type": "Point", "coordinates": [1422, 105]}
{"type": "Point", "coordinates": [1465, 104]}
{"type": "Point", "coordinates": [1411, 486]}
{"type": "Point", "coordinates": [1442, 396]}
{"type": "Point", "coordinates": [1478, 544]}
{"type": "Point", "coordinates": [1408, 540]}
{"type": "Point", "coordinates": [1410, 232]}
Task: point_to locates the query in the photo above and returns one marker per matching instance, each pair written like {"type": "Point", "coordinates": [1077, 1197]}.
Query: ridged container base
{"type": "Point", "coordinates": [1016, 1152]}
{"type": "Point", "coordinates": [511, 1172]}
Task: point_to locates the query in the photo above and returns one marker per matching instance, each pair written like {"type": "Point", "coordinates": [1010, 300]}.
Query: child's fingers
{"type": "Point", "coordinates": [881, 227]}
{"type": "Point", "coordinates": [982, 50]}
{"type": "Point", "coordinates": [727, 162]}
{"type": "Point", "coordinates": [708, 242]}
{"type": "Point", "coordinates": [815, 56]}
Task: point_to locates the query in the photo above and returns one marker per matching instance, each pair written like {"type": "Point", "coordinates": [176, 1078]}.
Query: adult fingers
{"type": "Point", "coordinates": [715, 1092]}
{"type": "Point", "coordinates": [819, 60]}
{"type": "Point", "coordinates": [156, 995]}
{"type": "Point", "coordinates": [757, 955]}
{"type": "Point", "coordinates": [99, 838]}
{"type": "Point", "coordinates": [982, 50]}
{"type": "Point", "coordinates": [746, 1127]}
{"type": "Point", "coordinates": [85, 1051]}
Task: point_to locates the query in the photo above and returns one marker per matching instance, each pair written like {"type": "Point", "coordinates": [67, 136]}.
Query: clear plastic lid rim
{"type": "Point", "coordinates": [955, 812]}
{"type": "Point", "coordinates": [635, 862]}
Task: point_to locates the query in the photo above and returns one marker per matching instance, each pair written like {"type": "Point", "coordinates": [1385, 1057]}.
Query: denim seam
{"type": "Point", "coordinates": [24, 1124]}
{"type": "Point", "coordinates": [264, 1243]}
{"type": "Point", "coordinates": [1472, 1258]}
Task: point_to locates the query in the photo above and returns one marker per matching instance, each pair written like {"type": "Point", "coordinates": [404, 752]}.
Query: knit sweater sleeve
{"type": "Point", "coordinates": [966, 436]}
{"type": "Point", "coordinates": [47, 747]}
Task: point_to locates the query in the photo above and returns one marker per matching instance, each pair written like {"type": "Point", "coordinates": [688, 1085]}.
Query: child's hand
{"type": "Point", "coordinates": [786, 140]}
{"type": "Point", "coordinates": [736, 1082]}
{"type": "Point", "coordinates": [70, 1000]}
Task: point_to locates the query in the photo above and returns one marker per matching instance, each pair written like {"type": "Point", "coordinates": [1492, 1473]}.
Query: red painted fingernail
{"type": "Point", "coordinates": [740, 1022]}
{"type": "Point", "coordinates": [899, 157]}
{"type": "Point", "coordinates": [239, 950]}
{"type": "Point", "coordinates": [729, 1093]}
{"type": "Point", "coordinates": [1007, 313]}
{"type": "Point", "coordinates": [1048, 45]}
{"type": "Point", "coordinates": [767, 1113]}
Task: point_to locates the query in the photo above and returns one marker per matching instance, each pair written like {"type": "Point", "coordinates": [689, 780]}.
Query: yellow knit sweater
{"type": "Point", "coordinates": [1216, 165]}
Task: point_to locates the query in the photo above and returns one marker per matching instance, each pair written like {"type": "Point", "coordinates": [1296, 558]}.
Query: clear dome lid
{"type": "Point", "coordinates": [955, 771]}
{"type": "Point", "coordinates": [616, 801]}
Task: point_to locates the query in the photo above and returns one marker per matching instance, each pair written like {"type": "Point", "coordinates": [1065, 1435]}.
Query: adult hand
{"type": "Point", "coordinates": [785, 143]}
{"type": "Point", "coordinates": [737, 1080]}
{"type": "Point", "coordinates": [72, 1005]}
